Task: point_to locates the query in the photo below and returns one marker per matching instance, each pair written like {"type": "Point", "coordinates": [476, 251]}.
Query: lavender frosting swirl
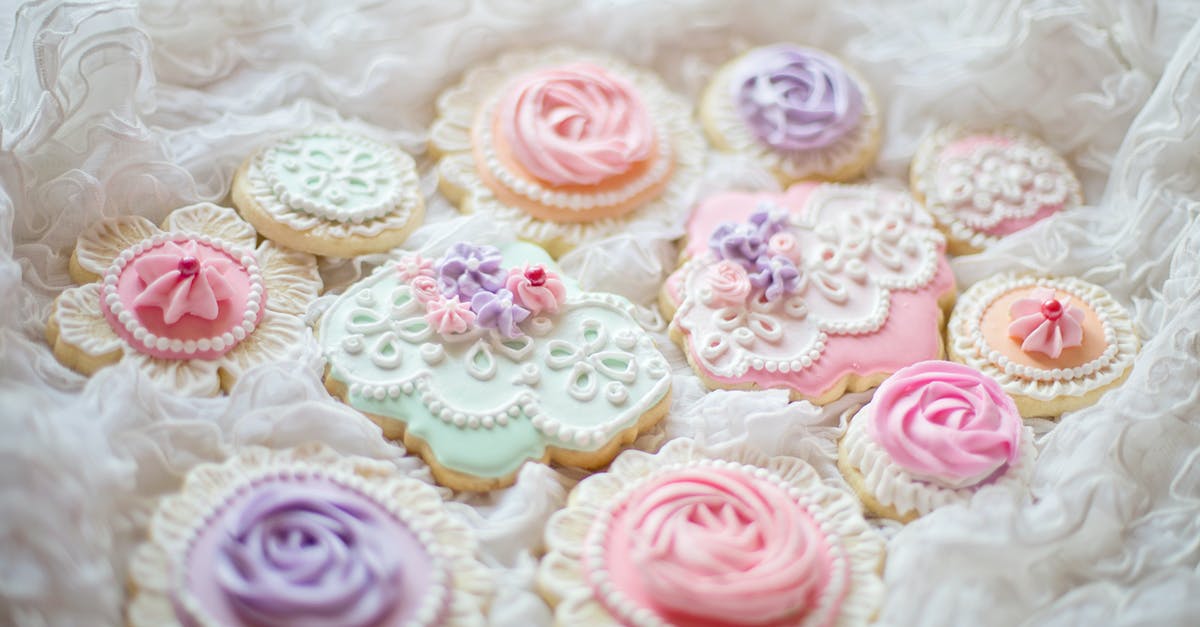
{"type": "Point", "coordinates": [794, 98]}
{"type": "Point", "coordinates": [290, 559]}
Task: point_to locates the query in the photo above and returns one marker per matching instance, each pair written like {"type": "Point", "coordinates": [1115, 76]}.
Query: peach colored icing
{"type": "Point", "coordinates": [946, 423]}
{"type": "Point", "coordinates": [1046, 324]}
{"type": "Point", "coordinates": [837, 292]}
{"type": "Point", "coordinates": [713, 546]}
{"type": "Point", "coordinates": [185, 290]}
{"type": "Point", "coordinates": [997, 319]}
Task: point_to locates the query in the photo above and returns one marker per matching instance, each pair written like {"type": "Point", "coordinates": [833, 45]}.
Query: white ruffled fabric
{"type": "Point", "coordinates": [111, 108]}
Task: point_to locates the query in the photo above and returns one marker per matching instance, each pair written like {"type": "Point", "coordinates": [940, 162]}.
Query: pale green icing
{"type": "Point", "coordinates": [593, 339]}
{"type": "Point", "coordinates": [334, 175]}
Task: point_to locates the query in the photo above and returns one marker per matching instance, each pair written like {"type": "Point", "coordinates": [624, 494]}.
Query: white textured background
{"type": "Point", "coordinates": [109, 108]}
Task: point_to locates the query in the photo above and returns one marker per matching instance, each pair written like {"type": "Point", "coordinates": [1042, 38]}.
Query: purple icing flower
{"type": "Point", "coordinates": [465, 270]}
{"type": "Point", "coordinates": [498, 311]}
{"type": "Point", "coordinates": [768, 221]}
{"type": "Point", "coordinates": [739, 243]}
{"type": "Point", "coordinates": [776, 275]}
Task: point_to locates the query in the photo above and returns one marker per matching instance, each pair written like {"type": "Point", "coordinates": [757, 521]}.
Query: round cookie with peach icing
{"type": "Point", "coordinates": [799, 112]}
{"type": "Point", "coordinates": [983, 184]}
{"type": "Point", "coordinates": [687, 538]}
{"type": "Point", "coordinates": [562, 146]}
{"type": "Point", "coordinates": [1054, 344]}
{"type": "Point", "coordinates": [305, 537]}
{"type": "Point", "coordinates": [820, 290]}
{"type": "Point", "coordinates": [330, 191]}
{"type": "Point", "coordinates": [486, 358]}
{"type": "Point", "coordinates": [933, 434]}
{"type": "Point", "coordinates": [193, 304]}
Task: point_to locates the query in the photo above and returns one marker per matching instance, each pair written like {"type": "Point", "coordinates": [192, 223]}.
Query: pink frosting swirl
{"type": "Point", "coordinates": [721, 545]}
{"type": "Point", "coordinates": [729, 283]}
{"type": "Point", "coordinates": [180, 279]}
{"type": "Point", "coordinates": [785, 245]}
{"type": "Point", "coordinates": [575, 125]}
{"type": "Point", "coordinates": [412, 266]}
{"type": "Point", "coordinates": [536, 289]}
{"type": "Point", "coordinates": [448, 315]}
{"type": "Point", "coordinates": [1046, 324]}
{"type": "Point", "coordinates": [945, 422]}
{"type": "Point", "coordinates": [424, 288]}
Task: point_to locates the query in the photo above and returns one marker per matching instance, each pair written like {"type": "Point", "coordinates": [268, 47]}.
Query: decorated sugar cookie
{"type": "Point", "coordinates": [981, 185]}
{"type": "Point", "coordinates": [305, 537]}
{"type": "Point", "coordinates": [684, 538]}
{"type": "Point", "coordinates": [819, 290]}
{"type": "Point", "coordinates": [1054, 344]}
{"type": "Point", "coordinates": [485, 358]}
{"type": "Point", "coordinates": [933, 434]}
{"type": "Point", "coordinates": [563, 147]}
{"type": "Point", "coordinates": [194, 304]}
{"type": "Point", "coordinates": [797, 111]}
{"type": "Point", "coordinates": [330, 192]}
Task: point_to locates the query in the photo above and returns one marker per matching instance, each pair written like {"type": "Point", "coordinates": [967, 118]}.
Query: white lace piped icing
{"type": "Point", "coordinates": [679, 145]}
{"type": "Point", "coordinates": [335, 183]}
{"type": "Point", "coordinates": [893, 486]}
{"type": "Point", "coordinates": [887, 227]}
{"type": "Point", "coordinates": [969, 345]}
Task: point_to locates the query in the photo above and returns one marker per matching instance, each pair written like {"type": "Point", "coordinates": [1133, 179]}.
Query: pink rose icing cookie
{"type": "Point", "coordinates": [934, 433]}
{"type": "Point", "coordinates": [684, 538]}
{"type": "Point", "coordinates": [1054, 344]}
{"type": "Point", "coordinates": [565, 146]}
{"type": "Point", "coordinates": [305, 537]}
{"type": "Point", "coordinates": [819, 290]}
{"type": "Point", "coordinates": [194, 304]}
{"type": "Point", "coordinates": [799, 112]}
{"type": "Point", "coordinates": [981, 185]}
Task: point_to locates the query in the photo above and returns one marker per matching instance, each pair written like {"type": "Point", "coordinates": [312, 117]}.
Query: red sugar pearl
{"type": "Point", "coordinates": [189, 265]}
{"type": "Point", "coordinates": [1052, 309]}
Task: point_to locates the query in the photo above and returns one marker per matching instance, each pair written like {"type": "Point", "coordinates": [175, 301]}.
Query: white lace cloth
{"type": "Point", "coordinates": [109, 108]}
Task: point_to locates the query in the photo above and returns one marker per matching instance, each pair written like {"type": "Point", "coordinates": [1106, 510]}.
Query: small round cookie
{"type": "Point", "coordinates": [563, 147]}
{"type": "Point", "coordinates": [1054, 344]}
{"type": "Point", "coordinates": [820, 290]}
{"type": "Point", "coordinates": [689, 539]}
{"type": "Point", "coordinates": [193, 304]}
{"type": "Point", "coordinates": [487, 358]}
{"type": "Point", "coordinates": [330, 192]}
{"type": "Point", "coordinates": [797, 111]}
{"type": "Point", "coordinates": [305, 537]}
{"type": "Point", "coordinates": [933, 434]}
{"type": "Point", "coordinates": [983, 184]}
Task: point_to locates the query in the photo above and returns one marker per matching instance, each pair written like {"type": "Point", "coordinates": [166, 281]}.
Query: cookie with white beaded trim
{"type": "Point", "coordinates": [330, 191]}
{"type": "Point", "coordinates": [687, 537]}
{"type": "Point", "coordinates": [1055, 344]}
{"type": "Point", "coordinates": [303, 536]}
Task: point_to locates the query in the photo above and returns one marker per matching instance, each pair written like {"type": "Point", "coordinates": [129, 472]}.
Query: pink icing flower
{"type": "Point", "coordinates": [182, 280]}
{"type": "Point", "coordinates": [785, 245]}
{"type": "Point", "coordinates": [536, 289]}
{"type": "Point", "coordinates": [945, 422]}
{"type": "Point", "coordinates": [448, 315]}
{"type": "Point", "coordinates": [576, 124]}
{"type": "Point", "coordinates": [412, 266]}
{"type": "Point", "coordinates": [424, 288]}
{"type": "Point", "coordinates": [720, 545]}
{"type": "Point", "coordinates": [729, 283]}
{"type": "Point", "coordinates": [1045, 324]}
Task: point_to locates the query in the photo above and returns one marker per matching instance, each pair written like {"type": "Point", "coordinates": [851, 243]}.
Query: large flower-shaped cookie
{"type": "Point", "coordinates": [194, 304]}
{"type": "Point", "coordinates": [486, 358]}
{"type": "Point", "coordinates": [820, 290]}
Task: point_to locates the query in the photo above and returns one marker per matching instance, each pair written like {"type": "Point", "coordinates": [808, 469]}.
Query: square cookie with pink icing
{"type": "Point", "coordinates": [935, 433]}
{"type": "Point", "coordinates": [819, 290]}
{"type": "Point", "coordinates": [983, 184]}
{"type": "Point", "coordinates": [689, 538]}
{"type": "Point", "coordinates": [563, 146]}
{"type": "Point", "coordinates": [486, 358]}
{"type": "Point", "coordinates": [1055, 344]}
{"type": "Point", "coordinates": [799, 112]}
{"type": "Point", "coordinates": [305, 537]}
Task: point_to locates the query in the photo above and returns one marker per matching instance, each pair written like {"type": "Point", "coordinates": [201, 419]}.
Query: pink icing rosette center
{"type": "Point", "coordinates": [1046, 324]}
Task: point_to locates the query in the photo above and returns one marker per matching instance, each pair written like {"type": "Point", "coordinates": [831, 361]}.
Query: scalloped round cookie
{"type": "Point", "coordinates": [1055, 344]}
{"type": "Point", "coordinates": [688, 538]}
{"type": "Point", "coordinates": [563, 146]}
{"type": "Point", "coordinates": [488, 358]}
{"type": "Point", "coordinates": [820, 290]}
{"type": "Point", "coordinates": [330, 192]}
{"type": "Point", "coordinates": [982, 184]}
{"type": "Point", "coordinates": [799, 112]}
